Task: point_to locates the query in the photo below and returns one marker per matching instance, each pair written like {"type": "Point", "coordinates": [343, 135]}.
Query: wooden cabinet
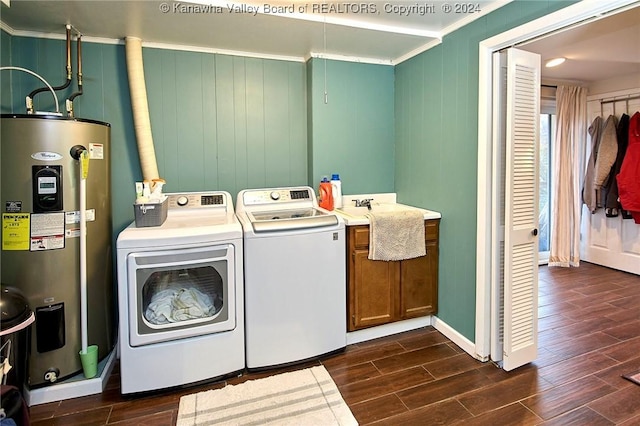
{"type": "Point", "coordinates": [381, 292]}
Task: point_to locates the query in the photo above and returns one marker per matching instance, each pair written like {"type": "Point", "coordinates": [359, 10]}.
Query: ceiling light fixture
{"type": "Point", "coordinates": [554, 62]}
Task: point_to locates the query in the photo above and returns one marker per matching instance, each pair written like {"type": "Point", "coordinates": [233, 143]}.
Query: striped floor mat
{"type": "Point", "coordinates": [306, 397]}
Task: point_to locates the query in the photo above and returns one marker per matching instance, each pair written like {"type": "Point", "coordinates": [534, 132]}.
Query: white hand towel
{"type": "Point", "coordinates": [159, 309]}
{"type": "Point", "coordinates": [170, 306]}
{"type": "Point", "coordinates": [396, 235]}
{"type": "Point", "coordinates": [190, 304]}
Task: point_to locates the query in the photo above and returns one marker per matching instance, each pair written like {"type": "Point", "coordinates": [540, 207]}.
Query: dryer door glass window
{"type": "Point", "coordinates": [175, 294]}
{"type": "Point", "coordinates": [184, 294]}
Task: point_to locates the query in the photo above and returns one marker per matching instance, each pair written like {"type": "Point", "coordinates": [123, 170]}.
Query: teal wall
{"type": "Point", "coordinates": [226, 122]}
{"type": "Point", "coordinates": [353, 133]}
{"type": "Point", "coordinates": [223, 122]}
{"type": "Point", "coordinates": [218, 122]}
{"type": "Point", "coordinates": [5, 76]}
{"type": "Point", "coordinates": [436, 107]}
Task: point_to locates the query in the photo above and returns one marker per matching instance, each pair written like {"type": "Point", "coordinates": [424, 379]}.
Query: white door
{"type": "Point", "coordinates": [515, 200]}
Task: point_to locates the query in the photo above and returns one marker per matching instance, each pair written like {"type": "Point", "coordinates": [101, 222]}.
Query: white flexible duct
{"type": "Point", "coordinates": [140, 107]}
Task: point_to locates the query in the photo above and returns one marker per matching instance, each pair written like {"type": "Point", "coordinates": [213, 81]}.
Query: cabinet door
{"type": "Point", "coordinates": [374, 298]}
{"type": "Point", "coordinates": [419, 284]}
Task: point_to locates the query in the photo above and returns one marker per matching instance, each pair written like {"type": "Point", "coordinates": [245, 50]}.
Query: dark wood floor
{"type": "Point", "coordinates": [589, 332]}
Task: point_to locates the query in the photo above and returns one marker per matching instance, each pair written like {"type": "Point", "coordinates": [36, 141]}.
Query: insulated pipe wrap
{"type": "Point", "coordinates": [140, 107]}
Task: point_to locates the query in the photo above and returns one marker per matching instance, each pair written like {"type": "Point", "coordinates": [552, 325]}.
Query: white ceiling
{"type": "Point", "coordinates": [368, 32]}
{"type": "Point", "coordinates": [373, 30]}
{"type": "Point", "coordinates": [600, 50]}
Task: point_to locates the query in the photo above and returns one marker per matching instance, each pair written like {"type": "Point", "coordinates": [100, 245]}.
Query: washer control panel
{"type": "Point", "coordinates": [276, 196]}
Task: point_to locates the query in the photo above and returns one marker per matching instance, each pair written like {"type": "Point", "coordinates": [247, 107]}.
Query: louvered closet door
{"type": "Point", "coordinates": [497, 202]}
{"type": "Point", "coordinates": [521, 209]}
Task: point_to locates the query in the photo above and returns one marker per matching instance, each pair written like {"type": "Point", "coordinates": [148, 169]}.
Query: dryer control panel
{"type": "Point", "coordinates": [198, 200]}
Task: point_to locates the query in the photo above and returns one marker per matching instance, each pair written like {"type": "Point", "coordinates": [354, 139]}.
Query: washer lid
{"type": "Point", "coordinates": [285, 214]}
{"type": "Point", "coordinates": [291, 219]}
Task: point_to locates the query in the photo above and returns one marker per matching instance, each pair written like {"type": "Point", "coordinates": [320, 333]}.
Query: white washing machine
{"type": "Point", "coordinates": [295, 276]}
{"type": "Point", "coordinates": [180, 292]}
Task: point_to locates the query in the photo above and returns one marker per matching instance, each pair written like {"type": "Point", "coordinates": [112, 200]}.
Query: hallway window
{"type": "Point", "coordinates": [547, 135]}
{"type": "Point", "coordinates": [547, 131]}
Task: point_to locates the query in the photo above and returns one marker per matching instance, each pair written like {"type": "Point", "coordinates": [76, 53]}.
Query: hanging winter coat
{"type": "Point", "coordinates": [612, 203]}
{"type": "Point", "coordinates": [607, 152]}
{"type": "Point", "coordinates": [629, 176]}
{"type": "Point", "coordinates": [588, 190]}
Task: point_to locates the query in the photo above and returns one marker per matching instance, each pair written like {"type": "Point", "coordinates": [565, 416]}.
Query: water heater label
{"type": "Point", "coordinates": [47, 243]}
{"type": "Point", "coordinates": [74, 216]}
{"type": "Point", "coordinates": [47, 231]}
{"type": "Point", "coordinates": [72, 233]}
{"type": "Point", "coordinates": [15, 231]}
{"type": "Point", "coordinates": [13, 206]}
{"type": "Point", "coordinates": [96, 151]}
{"type": "Point", "coordinates": [46, 156]}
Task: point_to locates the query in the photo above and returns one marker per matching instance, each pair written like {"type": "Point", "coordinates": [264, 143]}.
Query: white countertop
{"type": "Point", "coordinates": [380, 202]}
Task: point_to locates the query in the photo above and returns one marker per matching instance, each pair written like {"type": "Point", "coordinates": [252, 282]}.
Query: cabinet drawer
{"type": "Point", "coordinates": [431, 229]}
{"type": "Point", "coordinates": [361, 237]}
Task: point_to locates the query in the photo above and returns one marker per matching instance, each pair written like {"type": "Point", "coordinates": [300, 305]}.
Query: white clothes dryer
{"type": "Point", "coordinates": [180, 292]}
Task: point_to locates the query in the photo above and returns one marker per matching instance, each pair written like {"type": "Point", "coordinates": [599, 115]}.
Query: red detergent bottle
{"type": "Point", "coordinates": [325, 195]}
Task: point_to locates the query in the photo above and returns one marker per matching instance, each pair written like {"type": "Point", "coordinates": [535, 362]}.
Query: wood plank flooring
{"type": "Point", "coordinates": [589, 331]}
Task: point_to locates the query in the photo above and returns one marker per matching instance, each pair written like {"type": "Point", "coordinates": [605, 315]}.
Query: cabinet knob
{"type": "Point", "coordinates": [535, 232]}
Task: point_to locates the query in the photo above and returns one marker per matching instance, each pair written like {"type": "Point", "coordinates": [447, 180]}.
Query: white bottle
{"type": "Point", "coordinates": [336, 190]}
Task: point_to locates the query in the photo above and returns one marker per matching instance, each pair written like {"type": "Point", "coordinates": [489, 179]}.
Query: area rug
{"type": "Point", "coordinates": [306, 397]}
{"type": "Point", "coordinates": [634, 377]}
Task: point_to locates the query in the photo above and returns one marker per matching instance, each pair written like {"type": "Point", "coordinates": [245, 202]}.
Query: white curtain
{"type": "Point", "coordinates": [570, 139]}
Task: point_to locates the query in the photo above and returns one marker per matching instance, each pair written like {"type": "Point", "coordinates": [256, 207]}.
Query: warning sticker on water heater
{"type": "Point", "coordinates": [96, 151]}
{"type": "Point", "coordinates": [15, 231]}
{"type": "Point", "coordinates": [72, 217]}
{"type": "Point", "coordinates": [47, 231]}
{"type": "Point", "coordinates": [47, 243]}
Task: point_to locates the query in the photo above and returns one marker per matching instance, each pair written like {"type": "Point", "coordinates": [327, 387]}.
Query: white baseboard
{"type": "Point", "coordinates": [412, 324]}
{"type": "Point", "coordinates": [387, 329]}
{"type": "Point", "coordinates": [462, 342]}
{"type": "Point", "coordinates": [73, 387]}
